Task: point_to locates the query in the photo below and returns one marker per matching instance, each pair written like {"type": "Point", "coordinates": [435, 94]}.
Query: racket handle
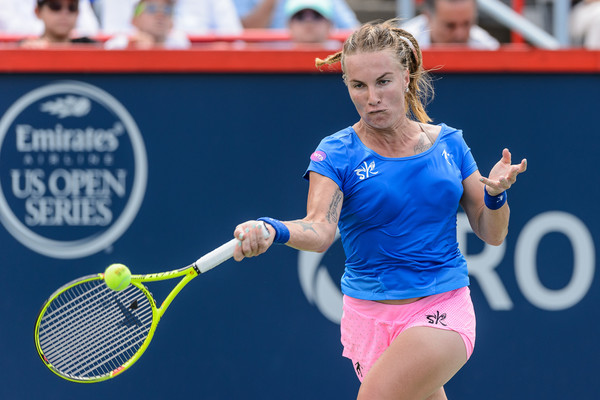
{"type": "Point", "coordinates": [222, 253]}
{"type": "Point", "coordinates": [217, 256]}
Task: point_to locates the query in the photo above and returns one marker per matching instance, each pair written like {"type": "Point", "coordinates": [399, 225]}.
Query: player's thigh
{"type": "Point", "coordinates": [415, 366]}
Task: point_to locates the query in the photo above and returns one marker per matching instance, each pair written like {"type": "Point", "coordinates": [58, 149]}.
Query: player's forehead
{"type": "Point", "coordinates": [371, 65]}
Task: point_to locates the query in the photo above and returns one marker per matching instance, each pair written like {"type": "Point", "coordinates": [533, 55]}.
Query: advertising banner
{"type": "Point", "coordinates": [153, 171]}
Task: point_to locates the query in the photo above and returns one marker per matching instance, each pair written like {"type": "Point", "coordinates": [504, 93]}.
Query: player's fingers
{"type": "Point", "coordinates": [254, 237]}
{"type": "Point", "coordinates": [237, 252]}
{"type": "Point", "coordinates": [493, 187]}
{"type": "Point", "coordinates": [523, 165]}
{"type": "Point", "coordinates": [238, 233]}
{"type": "Point", "coordinates": [506, 156]}
{"type": "Point", "coordinates": [488, 182]}
{"type": "Point", "coordinates": [263, 234]}
{"type": "Point", "coordinates": [512, 177]}
{"type": "Point", "coordinates": [248, 243]}
{"type": "Point", "coordinates": [516, 170]}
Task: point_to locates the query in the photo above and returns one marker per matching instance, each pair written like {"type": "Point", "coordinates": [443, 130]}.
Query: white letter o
{"type": "Point", "coordinates": [583, 260]}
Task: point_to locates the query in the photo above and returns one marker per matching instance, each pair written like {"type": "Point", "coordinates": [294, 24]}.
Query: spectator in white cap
{"type": "Point", "coordinates": [261, 14]}
{"type": "Point", "coordinates": [309, 21]}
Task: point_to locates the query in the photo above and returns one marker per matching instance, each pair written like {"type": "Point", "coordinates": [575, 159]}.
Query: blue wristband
{"type": "Point", "coordinates": [494, 202]}
{"type": "Point", "coordinates": [282, 233]}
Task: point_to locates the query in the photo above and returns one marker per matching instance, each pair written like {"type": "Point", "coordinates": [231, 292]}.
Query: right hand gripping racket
{"type": "Point", "coordinates": [86, 332]}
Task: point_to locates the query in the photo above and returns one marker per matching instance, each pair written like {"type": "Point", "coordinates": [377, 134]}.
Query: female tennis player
{"type": "Point", "coordinates": [392, 183]}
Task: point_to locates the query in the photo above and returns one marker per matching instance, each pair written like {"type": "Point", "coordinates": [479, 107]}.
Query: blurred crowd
{"type": "Point", "coordinates": [119, 24]}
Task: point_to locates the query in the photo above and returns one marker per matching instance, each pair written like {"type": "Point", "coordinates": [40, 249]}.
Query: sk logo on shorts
{"type": "Point", "coordinates": [437, 318]}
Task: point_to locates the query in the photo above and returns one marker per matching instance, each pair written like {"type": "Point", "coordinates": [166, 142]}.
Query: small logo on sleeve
{"type": "Point", "coordinates": [318, 156]}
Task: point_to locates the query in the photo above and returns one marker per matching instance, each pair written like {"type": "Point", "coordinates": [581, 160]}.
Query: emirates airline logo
{"type": "Point", "coordinates": [73, 169]}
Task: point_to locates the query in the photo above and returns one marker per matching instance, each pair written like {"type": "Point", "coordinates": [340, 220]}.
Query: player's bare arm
{"type": "Point", "coordinates": [323, 212]}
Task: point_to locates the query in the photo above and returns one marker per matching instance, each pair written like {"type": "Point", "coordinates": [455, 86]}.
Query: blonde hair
{"type": "Point", "coordinates": [386, 35]}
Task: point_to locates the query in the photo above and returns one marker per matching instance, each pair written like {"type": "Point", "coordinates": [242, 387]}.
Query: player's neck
{"type": "Point", "coordinates": [396, 141]}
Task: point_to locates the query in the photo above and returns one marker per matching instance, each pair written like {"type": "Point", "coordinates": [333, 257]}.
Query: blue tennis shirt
{"type": "Point", "coordinates": [398, 218]}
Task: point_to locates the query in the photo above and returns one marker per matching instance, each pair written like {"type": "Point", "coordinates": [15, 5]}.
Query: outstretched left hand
{"type": "Point", "coordinates": [503, 175]}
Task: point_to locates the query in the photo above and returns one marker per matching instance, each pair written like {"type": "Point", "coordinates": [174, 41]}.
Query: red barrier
{"type": "Point", "coordinates": [248, 36]}
{"type": "Point", "coordinates": [251, 53]}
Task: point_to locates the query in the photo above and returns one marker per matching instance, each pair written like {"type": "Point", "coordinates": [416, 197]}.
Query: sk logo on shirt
{"type": "Point", "coordinates": [366, 171]}
{"type": "Point", "coordinates": [446, 156]}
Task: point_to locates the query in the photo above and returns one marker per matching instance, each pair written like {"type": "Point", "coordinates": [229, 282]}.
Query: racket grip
{"type": "Point", "coordinates": [216, 257]}
{"type": "Point", "coordinates": [222, 253]}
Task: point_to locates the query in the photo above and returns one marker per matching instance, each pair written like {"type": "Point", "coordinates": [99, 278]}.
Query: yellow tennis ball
{"type": "Point", "coordinates": [117, 276]}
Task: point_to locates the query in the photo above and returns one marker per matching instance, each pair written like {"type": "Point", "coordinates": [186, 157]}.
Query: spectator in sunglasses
{"type": "Point", "coordinates": [17, 17]}
{"type": "Point", "coordinates": [309, 21]}
{"type": "Point", "coordinates": [153, 24]}
{"type": "Point", "coordinates": [59, 18]}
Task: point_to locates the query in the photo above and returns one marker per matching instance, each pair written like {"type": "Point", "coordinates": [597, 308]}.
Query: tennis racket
{"type": "Point", "coordinates": [87, 332]}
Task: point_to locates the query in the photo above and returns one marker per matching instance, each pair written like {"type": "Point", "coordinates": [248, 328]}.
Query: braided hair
{"type": "Point", "coordinates": [387, 35]}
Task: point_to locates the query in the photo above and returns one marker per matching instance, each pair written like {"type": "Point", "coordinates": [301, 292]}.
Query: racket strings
{"type": "Point", "coordinates": [90, 330]}
{"type": "Point", "coordinates": [61, 321]}
{"type": "Point", "coordinates": [62, 339]}
{"type": "Point", "coordinates": [92, 346]}
{"type": "Point", "coordinates": [96, 343]}
{"type": "Point", "coordinates": [61, 342]}
{"type": "Point", "coordinates": [89, 341]}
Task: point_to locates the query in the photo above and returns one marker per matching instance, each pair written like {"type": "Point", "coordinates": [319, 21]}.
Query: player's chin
{"type": "Point", "coordinates": [377, 121]}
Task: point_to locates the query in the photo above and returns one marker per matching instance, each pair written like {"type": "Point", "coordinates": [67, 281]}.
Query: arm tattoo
{"type": "Point", "coordinates": [332, 213]}
{"type": "Point", "coordinates": [422, 145]}
{"type": "Point", "coordinates": [306, 226]}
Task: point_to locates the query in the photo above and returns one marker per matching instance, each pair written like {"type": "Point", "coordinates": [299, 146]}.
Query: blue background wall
{"type": "Point", "coordinates": [226, 148]}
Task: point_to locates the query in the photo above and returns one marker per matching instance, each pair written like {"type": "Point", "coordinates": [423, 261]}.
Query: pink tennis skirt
{"type": "Point", "coordinates": [369, 327]}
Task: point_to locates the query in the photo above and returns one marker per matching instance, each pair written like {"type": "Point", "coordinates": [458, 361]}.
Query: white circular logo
{"type": "Point", "coordinates": [74, 170]}
{"type": "Point", "coordinates": [318, 286]}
